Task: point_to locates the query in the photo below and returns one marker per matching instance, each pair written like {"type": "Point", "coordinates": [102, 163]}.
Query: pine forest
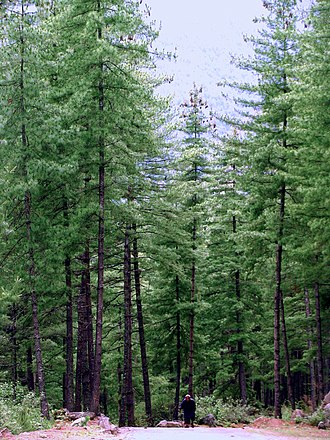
{"type": "Point", "coordinates": [147, 249]}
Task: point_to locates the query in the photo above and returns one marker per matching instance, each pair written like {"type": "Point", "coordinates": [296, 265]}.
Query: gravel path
{"type": "Point", "coordinates": [201, 434]}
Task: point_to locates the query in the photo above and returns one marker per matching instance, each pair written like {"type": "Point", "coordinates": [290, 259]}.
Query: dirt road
{"type": "Point", "coordinates": [200, 433]}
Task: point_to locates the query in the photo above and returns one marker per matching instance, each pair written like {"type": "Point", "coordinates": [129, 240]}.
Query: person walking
{"type": "Point", "coordinates": [188, 406]}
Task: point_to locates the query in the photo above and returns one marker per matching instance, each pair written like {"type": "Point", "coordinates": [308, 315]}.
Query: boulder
{"type": "Point", "coordinates": [78, 415]}
{"type": "Point", "coordinates": [208, 420]}
{"type": "Point", "coordinates": [105, 424]}
{"type": "Point", "coordinates": [169, 424]}
{"type": "Point", "coordinates": [326, 410]}
{"type": "Point", "coordinates": [326, 400]}
{"type": "Point", "coordinates": [82, 421]}
{"type": "Point", "coordinates": [297, 414]}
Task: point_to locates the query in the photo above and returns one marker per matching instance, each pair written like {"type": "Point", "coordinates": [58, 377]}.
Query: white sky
{"type": "Point", "coordinates": [205, 33]}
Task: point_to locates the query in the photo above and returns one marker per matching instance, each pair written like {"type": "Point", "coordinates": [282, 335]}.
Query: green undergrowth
{"type": "Point", "coordinates": [226, 412]}
{"type": "Point", "coordinates": [20, 410]}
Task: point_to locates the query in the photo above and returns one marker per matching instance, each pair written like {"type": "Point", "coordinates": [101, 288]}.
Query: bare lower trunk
{"type": "Point", "coordinates": [287, 357]}
{"type": "Point", "coordinates": [178, 352]}
{"type": "Point", "coordinates": [144, 361]}
{"type": "Point", "coordinates": [69, 387]}
{"type": "Point", "coordinates": [277, 307]}
{"type": "Point", "coordinates": [192, 314]}
{"type": "Point", "coordinates": [95, 400]}
{"type": "Point", "coordinates": [31, 252]}
{"type": "Point", "coordinates": [127, 403]}
{"type": "Point", "coordinates": [320, 374]}
{"type": "Point", "coordinates": [311, 362]}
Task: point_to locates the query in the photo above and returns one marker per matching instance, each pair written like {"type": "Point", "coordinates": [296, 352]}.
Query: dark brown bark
{"type": "Point", "coordinates": [69, 383]}
{"type": "Point", "coordinates": [81, 344]}
{"type": "Point", "coordinates": [310, 345]}
{"type": "Point", "coordinates": [12, 332]}
{"type": "Point", "coordinates": [178, 352]}
{"type": "Point", "coordinates": [287, 357]}
{"type": "Point", "coordinates": [320, 373]}
{"type": "Point", "coordinates": [277, 307]}
{"type": "Point", "coordinates": [95, 399]}
{"type": "Point", "coordinates": [192, 315]}
{"type": "Point", "coordinates": [240, 348]}
{"type": "Point", "coordinates": [28, 222]}
{"type": "Point", "coordinates": [144, 359]}
{"type": "Point", "coordinates": [89, 317]}
{"type": "Point", "coordinates": [35, 318]}
{"type": "Point", "coordinates": [127, 403]}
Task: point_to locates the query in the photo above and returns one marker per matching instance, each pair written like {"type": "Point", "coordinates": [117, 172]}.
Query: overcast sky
{"type": "Point", "coordinates": [205, 34]}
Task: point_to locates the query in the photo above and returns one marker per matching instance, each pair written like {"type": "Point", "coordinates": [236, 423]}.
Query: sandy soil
{"type": "Point", "coordinates": [262, 429]}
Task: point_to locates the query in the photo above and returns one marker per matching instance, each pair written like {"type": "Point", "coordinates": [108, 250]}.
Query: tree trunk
{"type": "Point", "coordinates": [35, 318]}
{"type": "Point", "coordinates": [240, 348]}
{"type": "Point", "coordinates": [95, 400]}
{"type": "Point", "coordinates": [81, 343]}
{"type": "Point", "coordinates": [127, 404]}
{"type": "Point", "coordinates": [14, 347]}
{"type": "Point", "coordinates": [311, 362]}
{"type": "Point", "coordinates": [277, 307]}
{"type": "Point", "coordinates": [144, 360]}
{"type": "Point", "coordinates": [69, 386]}
{"type": "Point", "coordinates": [178, 352]}
{"type": "Point", "coordinates": [287, 356]}
{"type": "Point", "coordinates": [89, 318]}
{"type": "Point", "coordinates": [27, 212]}
{"type": "Point", "coordinates": [192, 312]}
{"type": "Point", "coordinates": [320, 375]}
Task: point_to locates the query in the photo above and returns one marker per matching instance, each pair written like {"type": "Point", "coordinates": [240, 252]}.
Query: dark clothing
{"type": "Point", "coordinates": [188, 406]}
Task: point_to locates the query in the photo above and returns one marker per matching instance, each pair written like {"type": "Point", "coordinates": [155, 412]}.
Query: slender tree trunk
{"type": "Point", "coordinates": [127, 409]}
{"type": "Point", "coordinates": [144, 360]}
{"type": "Point", "coordinates": [14, 347]}
{"type": "Point", "coordinates": [277, 307]}
{"type": "Point", "coordinates": [28, 222]}
{"type": "Point", "coordinates": [35, 318]}
{"type": "Point", "coordinates": [309, 342]}
{"type": "Point", "coordinates": [178, 352]}
{"type": "Point", "coordinates": [89, 322]}
{"type": "Point", "coordinates": [287, 356]}
{"type": "Point", "coordinates": [320, 374]}
{"type": "Point", "coordinates": [69, 386]}
{"type": "Point", "coordinates": [81, 343]}
{"type": "Point", "coordinates": [240, 349]}
{"type": "Point", "coordinates": [192, 314]}
{"type": "Point", "coordinates": [95, 400]}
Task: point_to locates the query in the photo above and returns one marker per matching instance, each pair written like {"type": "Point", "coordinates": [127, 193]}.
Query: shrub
{"type": "Point", "coordinates": [317, 417]}
{"type": "Point", "coordinates": [21, 413]}
{"type": "Point", "coordinates": [226, 412]}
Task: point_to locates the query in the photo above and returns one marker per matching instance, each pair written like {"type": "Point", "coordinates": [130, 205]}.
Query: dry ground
{"type": "Point", "coordinates": [262, 429]}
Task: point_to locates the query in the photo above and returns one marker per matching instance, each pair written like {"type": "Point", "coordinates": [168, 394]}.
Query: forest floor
{"type": "Point", "coordinates": [261, 429]}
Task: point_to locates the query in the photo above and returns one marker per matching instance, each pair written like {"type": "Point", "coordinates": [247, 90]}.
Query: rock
{"type": "Point", "coordinates": [297, 414]}
{"type": "Point", "coordinates": [80, 422]}
{"type": "Point", "coordinates": [5, 433]}
{"type": "Point", "coordinates": [326, 410]}
{"type": "Point", "coordinates": [326, 400]}
{"type": "Point", "coordinates": [105, 424]}
{"type": "Point", "coordinates": [169, 424]}
{"type": "Point", "coordinates": [71, 415]}
{"type": "Point", "coordinates": [208, 420]}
